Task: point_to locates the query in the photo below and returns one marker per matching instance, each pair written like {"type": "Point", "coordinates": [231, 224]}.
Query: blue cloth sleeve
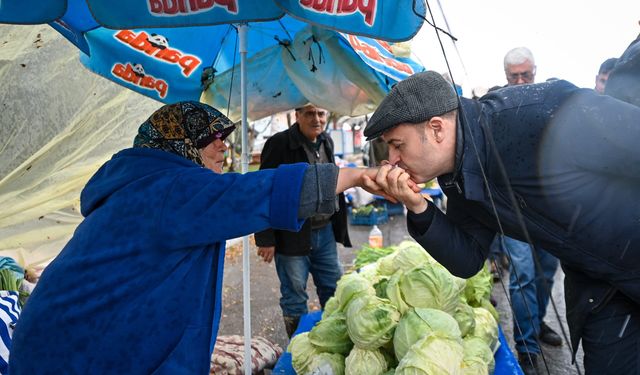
{"type": "Point", "coordinates": [285, 196]}
{"type": "Point", "coordinates": [201, 207]}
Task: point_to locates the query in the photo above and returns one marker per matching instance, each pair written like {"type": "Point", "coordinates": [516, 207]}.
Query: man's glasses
{"type": "Point", "coordinates": [527, 76]}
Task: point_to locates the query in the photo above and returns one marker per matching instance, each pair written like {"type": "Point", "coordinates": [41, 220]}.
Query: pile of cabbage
{"type": "Point", "coordinates": [403, 314]}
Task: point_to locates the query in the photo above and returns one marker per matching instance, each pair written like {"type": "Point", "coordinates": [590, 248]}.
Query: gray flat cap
{"type": "Point", "coordinates": [414, 100]}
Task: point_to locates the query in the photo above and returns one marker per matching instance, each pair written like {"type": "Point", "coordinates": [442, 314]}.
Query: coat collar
{"type": "Point", "coordinates": [297, 139]}
{"type": "Point", "coordinates": [467, 176]}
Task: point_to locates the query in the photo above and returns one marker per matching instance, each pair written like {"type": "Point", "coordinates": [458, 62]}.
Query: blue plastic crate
{"type": "Point", "coordinates": [394, 208]}
{"type": "Point", "coordinates": [374, 218]}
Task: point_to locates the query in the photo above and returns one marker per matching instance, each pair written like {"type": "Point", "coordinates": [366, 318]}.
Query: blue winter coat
{"type": "Point", "coordinates": [572, 161]}
{"type": "Point", "coordinates": [137, 290]}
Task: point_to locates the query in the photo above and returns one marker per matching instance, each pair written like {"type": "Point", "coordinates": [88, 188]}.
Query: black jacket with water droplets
{"type": "Point", "coordinates": [565, 160]}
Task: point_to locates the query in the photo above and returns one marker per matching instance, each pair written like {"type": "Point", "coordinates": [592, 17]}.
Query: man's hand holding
{"type": "Point", "coordinates": [397, 183]}
{"type": "Point", "coordinates": [369, 184]}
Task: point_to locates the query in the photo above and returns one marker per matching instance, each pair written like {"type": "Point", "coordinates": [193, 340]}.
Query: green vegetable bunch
{"type": "Point", "coordinates": [8, 280]}
{"type": "Point", "coordinates": [368, 254]}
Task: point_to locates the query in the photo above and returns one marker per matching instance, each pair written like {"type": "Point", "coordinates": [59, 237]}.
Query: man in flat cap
{"type": "Point", "coordinates": [550, 164]}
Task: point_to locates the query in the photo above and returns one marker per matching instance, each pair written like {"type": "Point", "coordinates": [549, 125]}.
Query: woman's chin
{"type": "Point", "coordinates": [217, 167]}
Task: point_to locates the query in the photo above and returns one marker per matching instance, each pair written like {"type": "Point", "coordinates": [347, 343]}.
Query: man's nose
{"type": "Point", "coordinates": [394, 157]}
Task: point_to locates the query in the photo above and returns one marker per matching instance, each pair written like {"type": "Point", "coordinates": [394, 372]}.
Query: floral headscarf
{"type": "Point", "coordinates": [183, 128]}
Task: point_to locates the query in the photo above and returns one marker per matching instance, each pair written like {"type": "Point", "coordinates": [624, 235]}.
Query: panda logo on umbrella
{"type": "Point", "coordinates": [138, 70]}
{"type": "Point", "coordinates": [158, 41]}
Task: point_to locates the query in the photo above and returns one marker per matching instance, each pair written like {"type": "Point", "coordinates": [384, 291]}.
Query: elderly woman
{"type": "Point", "coordinates": [137, 290]}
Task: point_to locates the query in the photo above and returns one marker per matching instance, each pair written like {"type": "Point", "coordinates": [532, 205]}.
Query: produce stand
{"type": "Point", "coordinates": [370, 214]}
{"type": "Point", "coordinates": [374, 218]}
{"type": "Point", "coordinates": [506, 363]}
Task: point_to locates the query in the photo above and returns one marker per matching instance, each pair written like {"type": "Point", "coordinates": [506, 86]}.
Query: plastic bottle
{"type": "Point", "coordinates": [375, 237]}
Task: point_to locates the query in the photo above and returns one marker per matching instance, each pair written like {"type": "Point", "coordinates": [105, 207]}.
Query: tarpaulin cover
{"type": "Point", "coordinates": [59, 123]}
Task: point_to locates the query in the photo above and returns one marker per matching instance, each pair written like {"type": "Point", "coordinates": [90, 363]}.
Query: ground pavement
{"type": "Point", "coordinates": [266, 318]}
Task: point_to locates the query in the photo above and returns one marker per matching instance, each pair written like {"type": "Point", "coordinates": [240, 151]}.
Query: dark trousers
{"type": "Point", "coordinates": [611, 339]}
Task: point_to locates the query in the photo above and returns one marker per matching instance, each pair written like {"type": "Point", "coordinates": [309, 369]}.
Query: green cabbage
{"type": "Point", "coordinates": [473, 367]}
{"type": "Point", "coordinates": [465, 317]}
{"type": "Point", "coordinates": [432, 286]}
{"type": "Point", "coordinates": [371, 321]}
{"type": "Point", "coordinates": [327, 364]}
{"type": "Point", "coordinates": [389, 354]}
{"type": "Point", "coordinates": [486, 328]}
{"type": "Point", "coordinates": [478, 287]}
{"type": "Point", "coordinates": [370, 273]}
{"type": "Point", "coordinates": [410, 255]}
{"type": "Point", "coordinates": [486, 304]}
{"type": "Point", "coordinates": [432, 355]}
{"type": "Point", "coordinates": [351, 286]}
{"type": "Point", "coordinates": [420, 322]}
{"type": "Point", "coordinates": [302, 352]}
{"type": "Point", "coordinates": [477, 356]}
{"type": "Point", "coordinates": [381, 287]}
{"type": "Point", "coordinates": [386, 265]}
{"type": "Point", "coordinates": [330, 334]}
{"type": "Point", "coordinates": [365, 362]}
{"type": "Point", "coordinates": [332, 305]}
{"type": "Point", "coordinates": [395, 294]}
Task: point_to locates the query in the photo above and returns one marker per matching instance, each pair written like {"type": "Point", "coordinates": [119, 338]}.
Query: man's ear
{"type": "Point", "coordinates": [436, 127]}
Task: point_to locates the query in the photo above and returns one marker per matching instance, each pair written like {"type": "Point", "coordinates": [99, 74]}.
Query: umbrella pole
{"type": "Point", "coordinates": [246, 280]}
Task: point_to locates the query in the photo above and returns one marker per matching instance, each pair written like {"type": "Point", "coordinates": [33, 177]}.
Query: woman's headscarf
{"type": "Point", "coordinates": [183, 128]}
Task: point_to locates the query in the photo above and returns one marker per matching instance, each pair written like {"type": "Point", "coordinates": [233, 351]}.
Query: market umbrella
{"type": "Point", "coordinates": [150, 31]}
{"type": "Point", "coordinates": [289, 63]}
{"type": "Point", "coordinates": [344, 73]}
{"type": "Point", "coordinates": [393, 21]}
{"type": "Point", "coordinates": [169, 39]}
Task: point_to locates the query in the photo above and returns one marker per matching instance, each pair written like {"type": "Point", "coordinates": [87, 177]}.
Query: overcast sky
{"type": "Point", "coordinates": [569, 38]}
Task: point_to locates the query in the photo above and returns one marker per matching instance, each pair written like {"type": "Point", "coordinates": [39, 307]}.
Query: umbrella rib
{"type": "Point", "coordinates": [432, 24]}
{"type": "Point", "coordinates": [215, 61]}
{"type": "Point", "coordinates": [285, 30]}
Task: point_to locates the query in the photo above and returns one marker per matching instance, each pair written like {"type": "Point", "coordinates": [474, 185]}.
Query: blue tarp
{"type": "Point", "coordinates": [506, 363]}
